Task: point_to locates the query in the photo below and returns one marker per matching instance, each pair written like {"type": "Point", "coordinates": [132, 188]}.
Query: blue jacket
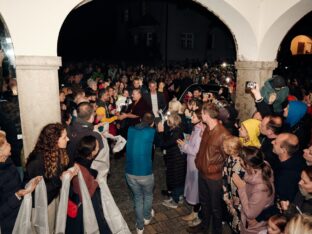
{"type": "Point", "coordinates": [139, 151]}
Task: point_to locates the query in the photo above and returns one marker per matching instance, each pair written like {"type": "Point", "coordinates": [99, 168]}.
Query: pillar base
{"type": "Point", "coordinates": [250, 71]}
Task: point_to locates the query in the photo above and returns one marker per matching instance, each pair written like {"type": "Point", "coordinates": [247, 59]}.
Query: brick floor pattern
{"type": "Point", "coordinates": [166, 220]}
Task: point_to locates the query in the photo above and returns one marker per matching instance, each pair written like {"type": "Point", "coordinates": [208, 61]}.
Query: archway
{"type": "Point", "coordinates": [273, 37]}
{"type": "Point", "coordinates": [127, 32]}
{"type": "Point", "coordinates": [7, 57]}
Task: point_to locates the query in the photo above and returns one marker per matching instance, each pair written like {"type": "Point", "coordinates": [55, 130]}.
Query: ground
{"type": "Point", "coordinates": [166, 220]}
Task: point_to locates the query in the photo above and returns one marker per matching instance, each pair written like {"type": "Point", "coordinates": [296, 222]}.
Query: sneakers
{"type": "Point", "coordinates": [148, 221]}
{"type": "Point", "coordinates": [181, 200]}
{"type": "Point", "coordinates": [139, 231]}
{"type": "Point", "coordinates": [195, 222]}
{"type": "Point", "coordinates": [170, 203]}
{"type": "Point", "coordinates": [190, 217]}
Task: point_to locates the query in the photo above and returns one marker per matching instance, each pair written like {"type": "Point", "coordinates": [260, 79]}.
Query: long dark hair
{"type": "Point", "coordinates": [254, 158]}
{"type": "Point", "coordinates": [55, 160]}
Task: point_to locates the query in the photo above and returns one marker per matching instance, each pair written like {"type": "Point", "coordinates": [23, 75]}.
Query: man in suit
{"type": "Point", "coordinates": [154, 99]}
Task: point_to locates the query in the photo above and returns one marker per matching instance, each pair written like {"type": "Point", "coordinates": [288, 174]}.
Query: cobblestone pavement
{"type": "Point", "coordinates": [166, 220]}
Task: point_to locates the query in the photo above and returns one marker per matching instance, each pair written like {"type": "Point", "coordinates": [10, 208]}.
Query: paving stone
{"type": "Point", "coordinates": [172, 213]}
{"type": "Point", "coordinates": [160, 217]}
{"type": "Point", "coordinates": [166, 220]}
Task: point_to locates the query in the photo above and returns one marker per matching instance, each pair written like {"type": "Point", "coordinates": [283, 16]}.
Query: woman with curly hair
{"type": "Point", "coordinates": [49, 159]}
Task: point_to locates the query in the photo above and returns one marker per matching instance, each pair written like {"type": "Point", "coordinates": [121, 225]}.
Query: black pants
{"type": "Point", "coordinates": [210, 198]}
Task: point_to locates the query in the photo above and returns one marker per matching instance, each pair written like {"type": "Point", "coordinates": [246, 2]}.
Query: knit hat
{"type": "Point", "coordinates": [253, 130]}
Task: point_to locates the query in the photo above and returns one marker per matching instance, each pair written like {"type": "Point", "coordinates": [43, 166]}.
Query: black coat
{"type": "Point", "coordinates": [76, 132]}
{"type": "Point", "coordinates": [174, 159]}
{"type": "Point", "coordinates": [10, 183]}
{"type": "Point", "coordinates": [75, 225]}
{"type": "Point", "coordinates": [269, 155]}
{"type": "Point", "coordinates": [7, 124]}
{"type": "Point", "coordinates": [35, 167]}
{"type": "Point", "coordinates": [160, 100]}
{"type": "Point", "coordinates": [286, 177]}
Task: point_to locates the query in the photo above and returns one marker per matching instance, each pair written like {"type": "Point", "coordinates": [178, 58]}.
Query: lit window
{"type": "Point", "coordinates": [187, 40]}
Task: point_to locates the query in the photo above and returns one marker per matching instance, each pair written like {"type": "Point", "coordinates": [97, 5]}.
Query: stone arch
{"type": "Point", "coordinates": [7, 44]}
{"type": "Point", "coordinates": [238, 26]}
{"type": "Point", "coordinates": [232, 18]}
{"type": "Point", "coordinates": [275, 34]}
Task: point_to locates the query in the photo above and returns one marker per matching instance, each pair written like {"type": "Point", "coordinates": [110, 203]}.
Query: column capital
{"type": "Point", "coordinates": [256, 65]}
{"type": "Point", "coordinates": [38, 62]}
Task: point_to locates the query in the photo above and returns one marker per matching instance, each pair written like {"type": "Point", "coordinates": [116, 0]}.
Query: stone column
{"type": "Point", "coordinates": [250, 71]}
{"type": "Point", "coordinates": [38, 92]}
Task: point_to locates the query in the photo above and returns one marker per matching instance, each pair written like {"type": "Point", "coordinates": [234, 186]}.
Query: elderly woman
{"type": "Point", "coordinates": [49, 159]}
{"type": "Point", "coordinates": [10, 186]}
{"type": "Point", "coordinates": [174, 159]}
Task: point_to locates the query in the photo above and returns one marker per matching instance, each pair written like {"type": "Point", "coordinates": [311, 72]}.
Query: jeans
{"type": "Point", "coordinates": [142, 191]}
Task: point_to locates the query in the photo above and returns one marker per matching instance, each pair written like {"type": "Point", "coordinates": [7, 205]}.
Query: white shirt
{"type": "Point", "coordinates": [155, 104]}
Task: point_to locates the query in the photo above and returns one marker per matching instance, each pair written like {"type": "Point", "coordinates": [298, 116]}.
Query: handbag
{"type": "Point", "coordinates": [72, 209]}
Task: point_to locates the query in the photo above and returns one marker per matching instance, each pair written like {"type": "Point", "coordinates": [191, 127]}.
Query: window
{"type": "Point", "coordinates": [144, 7]}
{"type": "Point", "coordinates": [135, 39]}
{"type": "Point", "coordinates": [126, 15]}
{"type": "Point", "coordinates": [149, 39]}
{"type": "Point", "coordinates": [187, 40]}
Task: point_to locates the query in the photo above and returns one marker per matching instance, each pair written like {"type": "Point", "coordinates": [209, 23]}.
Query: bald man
{"type": "Point", "coordinates": [270, 127]}
{"type": "Point", "coordinates": [291, 162]}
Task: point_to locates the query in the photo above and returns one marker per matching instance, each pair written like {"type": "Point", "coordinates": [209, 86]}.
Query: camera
{"type": "Point", "coordinates": [163, 116]}
{"type": "Point", "coordinates": [250, 84]}
{"type": "Point", "coordinates": [219, 104]}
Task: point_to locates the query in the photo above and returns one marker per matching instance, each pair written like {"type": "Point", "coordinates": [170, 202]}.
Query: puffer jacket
{"type": "Point", "coordinates": [210, 157]}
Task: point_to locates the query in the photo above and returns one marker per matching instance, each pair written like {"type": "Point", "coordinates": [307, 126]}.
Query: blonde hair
{"type": "Point", "coordinates": [174, 120]}
{"type": "Point", "coordinates": [232, 145]}
{"type": "Point", "coordinates": [299, 224]}
{"type": "Point", "coordinates": [174, 106]}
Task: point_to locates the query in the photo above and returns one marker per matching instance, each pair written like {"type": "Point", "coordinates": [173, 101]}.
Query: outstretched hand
{"type": "Point", "coordinates": [30, 187]}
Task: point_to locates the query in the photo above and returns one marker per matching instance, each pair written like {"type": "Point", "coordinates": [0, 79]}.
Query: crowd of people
{"type": "Point", "coordinates": [254, 174]}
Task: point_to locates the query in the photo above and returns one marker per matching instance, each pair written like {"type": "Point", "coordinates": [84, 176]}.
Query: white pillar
{"type": "Point", "coordinates": [250, 71]}
{"type": "Point", "coordinates": [38, 92]}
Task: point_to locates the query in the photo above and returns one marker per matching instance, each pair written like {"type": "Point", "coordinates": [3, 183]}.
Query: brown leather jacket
{"type": "Point", "coordinates": [210, 157]}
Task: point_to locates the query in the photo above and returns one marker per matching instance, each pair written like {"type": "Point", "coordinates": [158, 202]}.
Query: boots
{"type": "Point", "coordinates": [190, 217]}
